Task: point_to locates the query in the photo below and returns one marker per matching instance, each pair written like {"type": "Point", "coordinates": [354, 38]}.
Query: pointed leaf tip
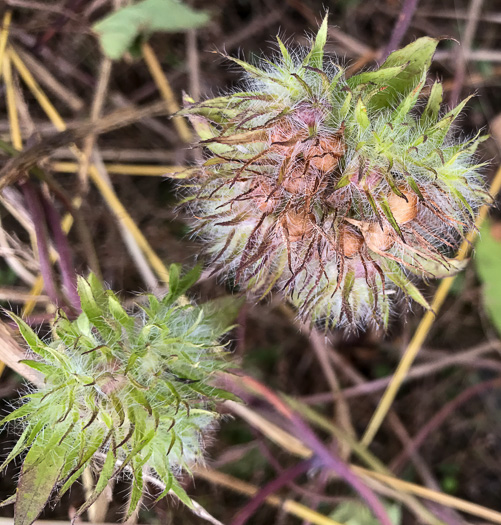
{"type": "Point", "coordinates": [315, 57]}
{"type": "Point", "coordinates": [417, 58]}
{"type": "Point", "coordinates": [288, 62]}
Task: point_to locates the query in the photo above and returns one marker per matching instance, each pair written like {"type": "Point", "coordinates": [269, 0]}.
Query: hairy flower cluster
{"type": "Point", "coordinates": [334, 189]}
{"type": "Point", "coordinates": [125, 393]}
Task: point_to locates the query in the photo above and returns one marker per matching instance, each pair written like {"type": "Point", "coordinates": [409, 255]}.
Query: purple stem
{"type": "Point", "coordinates": [35, 208]}
{"type": "Point", "coordinates": [284, 478]}
{"type": "Point", "coordinates": [332, 461]}
{"type": "Point", "coordinates": [404, 19]}
{"type": "Point", "coordinates": [66, 266]}
{"type": "Point", "coordinates": [448, 409]}
{"type": "Point", "coordinates": [328, 459]}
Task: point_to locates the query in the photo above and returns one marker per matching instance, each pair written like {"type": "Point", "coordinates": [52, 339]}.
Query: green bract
{"type": "Point", "coordinates": [334, 189]}
{"type": "Point", "coordinates": [120, 391]}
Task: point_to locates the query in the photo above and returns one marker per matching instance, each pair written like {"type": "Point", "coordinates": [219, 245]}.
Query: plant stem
{"type": "Point", "coordinates": [284, 478]}
{"type": "Point", "coordinates": [403, 22]}
{"type": "Point", "coordinates": [35, 208]}
{"type": "Point", "coordinates": [65, 260]}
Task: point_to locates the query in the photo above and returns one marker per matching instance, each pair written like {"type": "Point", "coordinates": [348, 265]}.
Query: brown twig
{"type": "Point", "coordinates": [319, 346]}
{"type": "Point", "coordinates": [273, 486]}
{"type": "Point", "coordinates": [467, 40]}
{"type": "Point", "coordinates": [16, 167]}
{"type": "Point", "coordinates": [95, 114]}
{"type": "Point", "coordinates": [46, 78]}
{"type": "Point", "coordinates": [448, 409]}
{"type": "Point", "coordinates": [467, 358]}
{"type": "Point", "coordinates": [403, 21]}
{"type": "Point", "coordinates": [328, 459]}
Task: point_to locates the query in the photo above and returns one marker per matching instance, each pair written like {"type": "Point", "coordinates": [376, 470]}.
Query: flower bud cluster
{"type": "Point", "coordinates": [121, 393]}
{"type": "Point", "coordinates": [334, 189]}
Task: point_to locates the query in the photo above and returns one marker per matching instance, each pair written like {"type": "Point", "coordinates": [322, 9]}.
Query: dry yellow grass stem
{"type": "Point", "coordinates": [108, 194]}
{"type": "Point", "coordinates": [383, 475]}
{"type": "Point", "coordinates": [295, 447]}
{"type": "Point", "coordinates": [429, 494]}
{"type": "Point", "coordinates": [279, 436]}
{"type": "Point", "coordinates": [15, 130]}
{"type": "Point", "coordinates": [424, 327]}
{"type": "Point", "coordinates": [16, 138]}
{"type": "Point", "coordinates": [145, 170]}
{"type": "Point", "coordinates": [164, 87]}
{"type": "Point", "coordinates": [414, 505]}
{"type": "Point", "coordinates": [37, 92]}
{"type": "Point", "coordinates": [288, 505]}
{"type": "Point", "coordinates": [4, 35]}
{"type": "Point", "coordinates": [432, 495]}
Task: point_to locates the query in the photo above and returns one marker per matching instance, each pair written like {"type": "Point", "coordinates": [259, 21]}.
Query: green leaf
{"type": "Point", "coordinates": [255, 71]}
{"type": "Point", "coordinates": [119, 313]}
{"type": "Point", "coordinates": [37, 365]}
{"type": "Point", "coordinates": [395, 274]}
{"type": "Point", "coordinates": [137, 489]}
{"type": "Point", "coordinates": [221, 313]}
{"type": "Point", "coordinates": [389, 216]}
{"type": "Point", "coordinates": [288, 62]}
{"type": "Point", "coordinates": [19, 413]}
{"type": "Point", "coordinates": [188, 280]}
{"type": "Point", "coordinates": [24, 441]}
{"type": "Point", "coordinates": [361, 115]}
{"type": "Point", "coordinates": [432, 108]}
{"type": "Point", "coordinates": [31, 338]}
{"type": "Point", "coordinates": [119, 31]}
{"type": "Point", "coordinates": [98, 291]}
{"type": "Point", "coordinates": [488, 265]}
{"type": "Point", "coordinates": [220, 109]}
{"type": "Point", "coordinates": [93, 442]}
{"type": "Point", "coordinates": [104, 477]}
{"type": "Point", "coordinates": [179, 285]}
{"type": "Point", "coordinates": [356, 513]}
{"type": "Point", "coordinates": [91, 307]}
{"type": "Point", "coordinates": [417, 59]}
{"type": "Point", "coordinates": [343, 112]}
{"type": "Point", "coordinates": [438, 132]}
{"type": "Point", "coordinates": [40, 474]}
{"type": "Point", "coordinates": [414, 187]}
{"type": "Point", "coordinates": [399, 115]}
{"type": "Point", "coordinates": [213, 393]}
{"type": "Point", "coordinates": [167, 477]}
{"type": "Point", "coordinates": [181, 493]}
{"type": "Point", "coordinates": [9, 501]}
{"type": "Point", "coordinates": [315, 57]}
{"type": "Point", "coordinates": [119, 408]}
{"type": "Point", "coordinates": [436, 269]}
{"type": "Point", "coordinates": [174, 273]}
{"type": "Point", "coordinates": [380, 76]}
{"type": "Point", "coordinates": [140, 398]}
